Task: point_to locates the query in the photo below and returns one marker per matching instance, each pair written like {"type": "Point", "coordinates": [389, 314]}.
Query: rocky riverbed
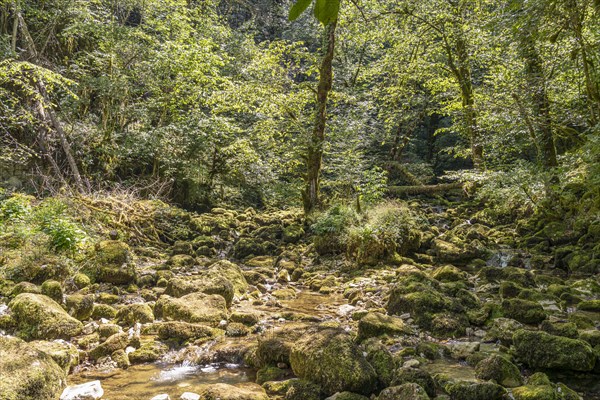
{"type": "Point", "coordinates": [247, 308]}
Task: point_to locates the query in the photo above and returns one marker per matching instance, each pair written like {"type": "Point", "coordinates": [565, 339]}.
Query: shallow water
{"type": "Point", "coordinates": [142, 382]}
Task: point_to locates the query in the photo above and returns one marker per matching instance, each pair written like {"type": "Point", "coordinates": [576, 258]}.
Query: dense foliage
{"type": "Point", "coordinates": [212, 102]}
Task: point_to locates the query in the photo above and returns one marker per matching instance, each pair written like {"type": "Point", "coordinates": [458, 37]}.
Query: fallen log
{"type": "Point", "coordinates": [399, 191]}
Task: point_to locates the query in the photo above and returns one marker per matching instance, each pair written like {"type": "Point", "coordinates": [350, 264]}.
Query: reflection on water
{"type": "Point", "coordinates": [142, 382]}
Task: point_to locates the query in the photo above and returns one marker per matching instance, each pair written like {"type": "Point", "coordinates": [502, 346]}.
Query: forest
{"type": "Point", "coordinates": [299, 199]}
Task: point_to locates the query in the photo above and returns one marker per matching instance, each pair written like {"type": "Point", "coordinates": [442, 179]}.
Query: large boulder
{"type": "Point", "coordinates": [539, 387]}
{"type": "Point", "coordinates": [27, 373]}
{"type": "Point", "coordinates": [113, 263]}
{"type": "Point", "coordinates": [231, 272]}
{"type": "Point", "coordinates": [376, 324]}
{"type": "Point", "coordinates": [542, 350]}
{"type": "Point", "coordinates": [63, 353]}
{"type": "Point", "coordinates": [131, 314]}
{"type": "Point", "coordinates": [329, 357]}
{"type": "Point", "coordinates": [500, 370]}
{"type": "Point", "coordinates": [205, 283]}
{"type": "Point", "coordinates": [182, 331]}
{"type": "Point", "coordinates": [194, 307]}
{"type": "Point", "coordinates": [39, 317]}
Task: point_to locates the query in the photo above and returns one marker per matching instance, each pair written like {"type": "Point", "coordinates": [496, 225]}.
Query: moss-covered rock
{"type": "Point", "coordinates": [39, 317]}
{"type": "Point", "coordinates": [81, 280]}
{"type": "Point", "coordinates": [80, 306]}
{"type": "Point", "coordinates": [302, 390]}
{"type": "Point", "coordinates": [236, 329]}
{"type": "Point", "coordinates": [194, 307]}
{"type": "Point", "coordinates": [376, 324]}
{"type": "Point", "coordinates": [118, 341]}
{"type": "Point", "coordinates": [382, 360]}
{"type": "Point", "coordinates": [500, 370]}
{"type": "Point", "coordinates": [448, 273]}
{"type": "Point", "coordinates": [542, 350]}
{"type": "Point", "coordinates": [113, 263]}
{"type": "Point", "coordinates": [503, 329]}
{"type": "Point", "coordinates": [566, 329]}
{"type": "Point", "coordinates": [270, 373]}
{"type": "Point", "coordinates": [148, 352]}
{"type": "Point", "coordinates": [183, 331]}
{"type": "Point", "coordinates": [25, 287]}
{"type": "Point", "coordinates": [525, 311]}
{"type": "Point", "coordinates": [133, 313]}
{"type": "Point", "coordinates": [328, 357]}
{"type": "Point", "coordinates": [121, 359]}
{"type": "Point", "coordinates": [293, 233]}
{"type": "Point", "coordinates": [592, 336]}
{"type": "Point", "coordinates": [249, 247]}
{"type": "Point", "coordinates": [475, 391]}
{"type": "Point", "coordinates": [414, 375]}
{"type": "Point", "coordinates": [205, 283]}
{"type": "Point", "coordinates": [223, 391]}
{"type": "Point", "coordinates": [64, 354]}
{"type": "Point", "coordinates": [407, 391]}
{"type": "Point", "coordinates": [347, 396]}
{"type": "Point", "coordinates": [232, 272]}
{"type": "Point", "coordinates": [28, 373]}
{"type": "Point", "coordinates": [53, 289]}
{"type": "Point", "coordinates": [539, 387]}
{"type": "Point", "coordinates": [103, 311]}
{"type": "Point", "coordinates": [589, 305]}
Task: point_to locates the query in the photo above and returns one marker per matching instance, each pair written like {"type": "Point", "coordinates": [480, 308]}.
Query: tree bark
{"type": "Point", "coordinates": [310, 194]}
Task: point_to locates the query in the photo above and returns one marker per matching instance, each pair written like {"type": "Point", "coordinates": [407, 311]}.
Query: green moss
{"type": "Point", "coordinates": [542, 350]}
{"type": "Point", "coordinates": [64, 354]}
{"type": "Point", "coordinates": [121, 359]}
{"type": "Point", "coordinates": [539, 387]}
{"type": "Point", "coordinates": [589, 305]}
{"type": "Point", "coordinates": [148, 352]}
{"type": "Point", "coordinates": [103, 311]}
{"type": "Point", "coordinates": [414, 375]}
{"type": "Point", "coordinates": [525, 311]}
{"type": "Point", "coordinates": [293, 233]}
{"type": "Point", "coordinates": [448, 273]}
{"type": "Point", "coordinates": [81, 280]}
{"type": "Point", "coordinates": [28, 373]}
{"type": "Point", "coordinates": [382, 361]}
{"type": "Point", "coordinates": [269, 373]}
{"type": "Point", "coordinates": [80, 306]}
{"type": "Point", "coordinates": [407, 391]}
{"type": "Point", "coordinates": [566, 329]}
{"type": "Point", "coordinates": [193, 308]}
{"type": "Point", "coordinates": [182, 331]}
{"type": "Point", "coordinates": [118, 341]}
{"type": "Point", "coordinates": [133, 313]}
{"type": "Point", "coordinates": [53, 289]}
{"type": "Point", "coordinates": [475, 391]}
{"type": "Point", "coordinates": [39, 317]}
{"type": "Point", "coordinates": [113, 263]}
{"type": "Point", "coordinates": [500, 370]}
{"type": "Point", "coordinates": [302, 390]}
{"type": "Point", "coordinates": [329, 357]}
{"type": "Point", "coordinates": [376, 324]}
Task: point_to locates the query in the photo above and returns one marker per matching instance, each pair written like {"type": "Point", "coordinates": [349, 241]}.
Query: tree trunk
{"type": "Point", "coordinates": [536, 81]}
{"type": "Point", "coordinates": [310, 195]}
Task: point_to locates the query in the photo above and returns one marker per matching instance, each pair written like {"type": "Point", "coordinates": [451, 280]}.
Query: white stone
{"type": "Point", "coordinates": [163, 396]}
{"type": "Point", "coordinates": [190, 396]}
{"type": "Point", "coordinates": [86, 391]}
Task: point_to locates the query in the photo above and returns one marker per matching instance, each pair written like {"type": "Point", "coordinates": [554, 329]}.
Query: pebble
{"type": "Point", "coordinates": [190, 396]}
{"type": "Point", "coordinates": [86, 391]}
{"type": "Point", "coordinates": [163, 396]}
{"type": "Point", "coordinates": [411, 364]}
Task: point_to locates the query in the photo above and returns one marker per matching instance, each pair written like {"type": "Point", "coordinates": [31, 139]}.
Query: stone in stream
{"type": "Point", "coordinates": [189, 396]}
{"type": "Point", "coordinates": [376, 324]}
{"type": "Point", "coordinates": [27, 373]}
{"type": "Point", "coordinates": [162, 396]}
{"type": "Point", "coordinates": [539, 387]}
{"type": "Point", "coordinates": [224, 391]}
{"type": "Point", "coordinates": [193, 308]}
{"type": "Point", "coordinates": [500, 370]}
{"type": "Point", "coordinates": [86, 391]}
{"type": "Point", "coordinates": [39, 317]}
{"type": "Point", "coordinates": [542, 350]}
{"type": "Point", "coordinates": [328, 356]}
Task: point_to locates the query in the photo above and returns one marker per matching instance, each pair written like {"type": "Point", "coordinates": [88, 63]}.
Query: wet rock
{"type": "Point", "coordinates": [28, 373]}
{"type": "Point", "coordinates": [80, 306]}
{"type": "Point", "coordinates": [329, 357]}
{"type": "Point", "coordinates": [376, 324]}
{"type": "Point", "coordinates": [148, 352]}
{"type": "Point", "coordinates": [500, 370]}
{"type": "Point", "coordinates": [133, 313]}
{"type": "Point", "coordinates": [86, 391]}
{"type": "Point", "coordinates": [39, 317]}
{"type": "Point", "coordinates": [414, 375]}
{"type": "Point", "coordinates": [224, 391]}
{"type": "Point", "coordinates": [475, 391]}
{"type": "Point", "coordinates": [183, 331]}
{"type": "Point", "coordinates": [525, 311]}
{"type": "Point", "coordinates": [542, 350]}
{"type": "Point", "coordinates": [194, 307]}
{"type": "Point", "coordinates": [113, 263]}
{"type": "Point", "coordinates": [407, 391]}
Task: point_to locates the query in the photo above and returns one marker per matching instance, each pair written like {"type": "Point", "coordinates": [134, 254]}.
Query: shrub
{"type": "Point", "coordinates": [331, 228]}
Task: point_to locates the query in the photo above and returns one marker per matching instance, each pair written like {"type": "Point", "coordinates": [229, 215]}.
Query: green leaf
{"type": "Point", "coordinates": [298, 8]}
{"type": "Point", "coordinates": [326, 11]}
